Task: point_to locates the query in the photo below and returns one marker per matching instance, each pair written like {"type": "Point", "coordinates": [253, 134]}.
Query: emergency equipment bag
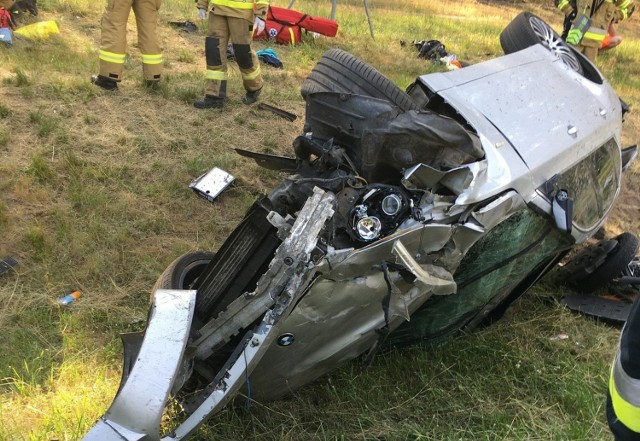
{"type": "Point", "coordinates": [285, 26]}
{"type": "Point", "coordinates": [5, 18]}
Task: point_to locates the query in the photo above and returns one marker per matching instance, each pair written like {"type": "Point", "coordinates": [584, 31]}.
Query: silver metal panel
{"type": "Point", "coordinates": [346, 302]}
{"type": "Point", "coordinates": [419, 240]}
{"type": "Point", "coordinates": [234, 378]}
{"type": "Point", "coordinates": [137, 410]}
{"type": "Point", "coordinates": [212, 183]}
{"type": "Point", "coordinates": [438, 82]}
{"type": "Point", "coordinates": [293, 253]}
{"type": "Point", "coordinates": [110, 431]}
{"type": "Point", "coordinates": [350, 312]}
{"type": "Point", "coordinates": [531, 97]}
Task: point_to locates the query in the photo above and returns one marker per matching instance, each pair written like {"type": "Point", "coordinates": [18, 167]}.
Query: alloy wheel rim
{"type": "Point", "coordinates": [554, 43]}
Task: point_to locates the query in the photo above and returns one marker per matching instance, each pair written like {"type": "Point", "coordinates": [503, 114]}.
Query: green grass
{"type": "Point", "coordinates": [94, 197]}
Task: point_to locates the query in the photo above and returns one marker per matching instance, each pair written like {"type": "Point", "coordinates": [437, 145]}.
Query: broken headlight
{"type": "Point", "coordinates": [379, 212]}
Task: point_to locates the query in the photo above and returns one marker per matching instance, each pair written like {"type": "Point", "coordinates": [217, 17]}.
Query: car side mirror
{"type": "Point", "coordinates": [562, 208]}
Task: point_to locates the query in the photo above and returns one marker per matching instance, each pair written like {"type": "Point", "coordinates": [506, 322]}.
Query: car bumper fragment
{"type": "Point", "coordinates": [137, 409]}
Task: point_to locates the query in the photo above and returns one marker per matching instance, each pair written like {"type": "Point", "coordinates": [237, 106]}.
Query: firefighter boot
{"type": "Point", "coordinates": [251, 97]}
{"type": "Point", "coordinates": [209, 102]}
{"type": "Point", "coordinates": [104, 82]}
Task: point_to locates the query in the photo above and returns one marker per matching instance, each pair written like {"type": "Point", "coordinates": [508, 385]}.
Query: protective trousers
{"type": "Point", "coordinates": [113, 42]}
{"type": "Point", "coordinates": [240, 32]}
{"type": "Point", "coordinates": [623, 398]}
{"type": "Point", "coordinates": [606, 12]}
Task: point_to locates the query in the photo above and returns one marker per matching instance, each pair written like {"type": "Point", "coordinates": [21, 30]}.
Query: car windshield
{"type": "Point", "coordinates": [593, 184]}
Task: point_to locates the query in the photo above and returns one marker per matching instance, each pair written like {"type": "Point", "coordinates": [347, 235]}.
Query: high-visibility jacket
{"type": "Point", "coordinates": [246, 9]}
{"type": "Point", "coordinates": [606, 12]}
{"type": "Point", "coordinates": [623, 401]}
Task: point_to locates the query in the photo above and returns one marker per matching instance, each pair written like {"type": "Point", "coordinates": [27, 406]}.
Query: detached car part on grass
{"type": "Point", "coordinates": [406, 217]}
{"type": "Point", "coordinates": [611, 264]}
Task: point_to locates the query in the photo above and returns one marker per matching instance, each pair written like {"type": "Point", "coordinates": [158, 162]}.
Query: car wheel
{"type": "Point", "coordinates": [339, 71]}
{"type": "Point", "coordinates": [183, 272]}
{"type": "Point", "coordinates": [527, 30]}
{"type": "Point", "coordinates": [596, 266]}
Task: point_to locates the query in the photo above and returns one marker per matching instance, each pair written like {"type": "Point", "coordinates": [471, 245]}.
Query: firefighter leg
{"type": "Point", "coordinates": [590, 52]}
{"type": "Point", "coordinates": [241, 32]}
{"type": "Point", "coordinates": [146, 12]}
{"type": "Point", "coordinates": [113, 39]}
{"type": "Point", "coordinates": [623, 398]}
{"type": "Point", "coordinates": [215, 50]}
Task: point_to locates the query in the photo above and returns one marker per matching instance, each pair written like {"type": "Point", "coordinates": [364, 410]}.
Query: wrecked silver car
{"type": "Point", "coordinates": [405, 218]}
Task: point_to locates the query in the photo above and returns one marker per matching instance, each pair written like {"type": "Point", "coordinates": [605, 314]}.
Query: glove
{"type": "Point", "coordinates": [258, 26]}
{"type": "Point", "coordinates": [574, 37]}
{"type": "Point", "coordinates": [202, 13]}
{"type": "Point", "coordinates": [580, 27]}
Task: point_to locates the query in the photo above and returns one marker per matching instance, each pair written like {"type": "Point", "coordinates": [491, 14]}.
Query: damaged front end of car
{"type": "Point", "coordinates": [392, 227]}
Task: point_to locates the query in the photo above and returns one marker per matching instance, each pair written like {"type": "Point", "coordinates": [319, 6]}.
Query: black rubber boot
{"type": "Point", "coordinates": [251, 97]}
{"type": "Point", "coordinates": [209, 102]}
{"type": "Point", "coordinates": [104, 82]}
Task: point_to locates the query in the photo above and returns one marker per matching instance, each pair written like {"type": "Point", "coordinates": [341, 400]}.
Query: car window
{"type": "Point", "coordinates": [592, 184]}
{"type": "Point", "coordinates": [493, 267]}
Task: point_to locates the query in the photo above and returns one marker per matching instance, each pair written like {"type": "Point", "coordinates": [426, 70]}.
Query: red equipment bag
{"type": "Point", "coordinates": [290, 17]}
{"type": "Point", "coordinates": [285, 26]}
{"type": "Point", "coordinates": [283, 34]}
{"type": "Point", "coordinates": [320, 25]}
{"type": "Point", "coordinates": [5, 18]}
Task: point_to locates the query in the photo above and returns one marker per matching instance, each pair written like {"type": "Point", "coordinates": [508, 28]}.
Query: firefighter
{"type": "Point", "coordinates": [623, 396]}
{"type": "Point", "coordinates": [591, 20]}
{"type": "Point", "coordinates": [113, 42]}
{"type": "Point", "coordinates": [231, 20]}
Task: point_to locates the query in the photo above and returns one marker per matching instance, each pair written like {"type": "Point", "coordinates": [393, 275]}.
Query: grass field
{"type": "Point", "coordinates": [94, 197]}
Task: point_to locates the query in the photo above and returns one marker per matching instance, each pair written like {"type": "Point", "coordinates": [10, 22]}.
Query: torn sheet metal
{"type": "Point", "coordinates": [136, 412]}
{"type": "Point", "coordinates": [433, 278]}
{"type": "Point", "coordinates": [499, 209]}
{"type": "Point", "coordinates": [290, 259]}
{"type": "Point", "coordinates": [306, 354]}
{"type": "Point", "coordinates": [479, 223]}
{"type": "Point", "coordinates": [423, 177]}
{"type": "Point", "coordinates": [418, 239]}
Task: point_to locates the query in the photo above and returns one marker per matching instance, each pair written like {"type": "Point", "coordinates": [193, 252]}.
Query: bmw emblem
{"type": "Point", "coordinates": [286, 339]}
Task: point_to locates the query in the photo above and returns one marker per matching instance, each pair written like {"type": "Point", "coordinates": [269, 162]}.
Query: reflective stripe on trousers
{"type": "Point", "coordinates": [113, 37]}
{"type": "Point", "coordinates": [239, 31]}
{"type": "Point", "coordinates": [625, 396]}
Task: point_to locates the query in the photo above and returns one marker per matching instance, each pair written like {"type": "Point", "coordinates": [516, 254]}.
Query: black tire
{"type": "Point", "coordinates": [339, 71]}
{"type": "Point", "coordinates": [615, 262]}
{"type": "Point", "coordinates": [183, 272]}
{"type": "Point", "coordinates": [528, 29]}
